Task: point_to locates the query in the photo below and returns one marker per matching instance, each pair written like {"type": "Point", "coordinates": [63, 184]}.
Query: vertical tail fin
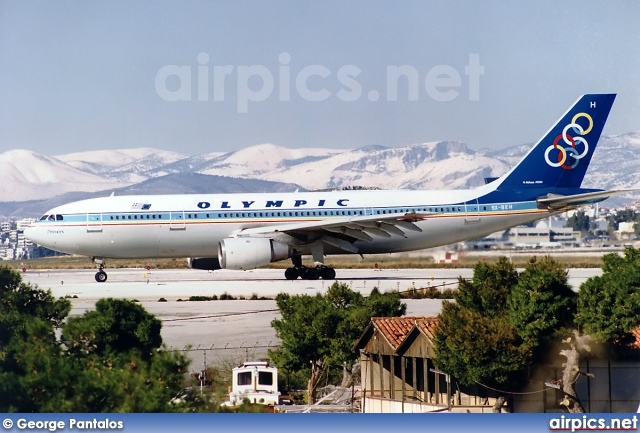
{"type": "Point", "coordinates": [562, 156]}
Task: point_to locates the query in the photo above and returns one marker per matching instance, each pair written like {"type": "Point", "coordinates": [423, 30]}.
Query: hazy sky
{"type": "Point", "coordinates": [205, 76]}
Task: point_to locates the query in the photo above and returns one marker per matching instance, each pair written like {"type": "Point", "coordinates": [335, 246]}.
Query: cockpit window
{"type": "Point", "coordinates": [52, 217]}
{"type": "Point", "coordinates": [58, 217]}
{"type": "Point", "coordinates": [44, 217]}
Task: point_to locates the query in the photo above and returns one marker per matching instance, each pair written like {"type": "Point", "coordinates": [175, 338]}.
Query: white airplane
{"type": "Point", "coordinates": [248, 231]}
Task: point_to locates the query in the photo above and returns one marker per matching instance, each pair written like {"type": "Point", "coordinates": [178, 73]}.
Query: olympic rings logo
{"type": "Point", "coordinates": [570, 141]}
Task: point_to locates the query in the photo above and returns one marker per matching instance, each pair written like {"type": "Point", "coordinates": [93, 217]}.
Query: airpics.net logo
{"type": "Point", "coordinates": [312, 83]}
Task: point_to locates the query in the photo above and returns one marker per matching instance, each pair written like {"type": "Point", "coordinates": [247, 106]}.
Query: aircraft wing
{"type": "Point", "coordinates": [561, 201]}
{"type": "Point", "coordinates": [342, 232]}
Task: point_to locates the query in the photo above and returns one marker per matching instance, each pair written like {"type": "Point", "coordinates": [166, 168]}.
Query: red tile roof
{"type": "Point", "coordinates": [396, 329]}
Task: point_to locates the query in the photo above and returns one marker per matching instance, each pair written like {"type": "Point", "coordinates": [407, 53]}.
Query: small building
{"type": "Point", "coordinates": [445, 257]}
{"type": "Point", "coordinates": [626, 230]}
{"type": "Point", "coordinates": [256, 381]}
{"type": "Point", "coordinates": [544, 236]}
{"type": "Point", "coordinates": [398, 374]}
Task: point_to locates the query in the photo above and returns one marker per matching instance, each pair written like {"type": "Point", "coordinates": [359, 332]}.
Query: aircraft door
{"type": "Point", "coordinates": [472, 212]}
{"type": "Point", "coordinates": [94, 222]}
{"type": "Point", "coordinates": [177, 221]}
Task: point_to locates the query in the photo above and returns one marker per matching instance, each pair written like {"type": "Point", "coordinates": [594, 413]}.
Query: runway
{"type": "Point", "coordinates": [231, 330]}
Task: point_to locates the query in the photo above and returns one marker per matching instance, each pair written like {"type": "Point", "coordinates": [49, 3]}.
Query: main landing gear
{"type": "Point", "coordinates": [308, 273]}
{"type": "Point", "coordinates": [101, 275]}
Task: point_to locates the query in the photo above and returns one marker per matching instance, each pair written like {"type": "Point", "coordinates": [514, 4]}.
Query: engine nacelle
{"type": "Point", "coordinates": [250, 253]}
{"type": "Point", "coordinates": [204, 263]}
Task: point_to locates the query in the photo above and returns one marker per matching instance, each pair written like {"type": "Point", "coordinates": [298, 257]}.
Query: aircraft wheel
{"type": "Point", "coordinates": [327, 273]}
{"type": "Point", "coordinates": [311, 274]}
{"type": "Point", "coordinates": [291, 274]}
{"type": "Point", "coordinates": [101, 276]}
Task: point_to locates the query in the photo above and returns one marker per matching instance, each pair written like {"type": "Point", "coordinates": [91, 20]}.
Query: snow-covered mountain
{"type": "Point", "coordinates": [26, 175]}
{"type": "Point", "coordinates": [126, 165]}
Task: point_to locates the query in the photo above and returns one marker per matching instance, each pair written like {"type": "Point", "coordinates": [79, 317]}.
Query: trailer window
{"type": "Point", "coordinates": [265, 378]}
{"type": "Point", "coordinates": [244, 378]}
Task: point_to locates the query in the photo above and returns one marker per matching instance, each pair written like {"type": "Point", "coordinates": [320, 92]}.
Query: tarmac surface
{"type": "Point", "coordinates": [230, 331]}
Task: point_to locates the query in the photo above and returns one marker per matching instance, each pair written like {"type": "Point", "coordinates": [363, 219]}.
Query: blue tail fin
{"type": "Point", "coordinates": [561, 158]}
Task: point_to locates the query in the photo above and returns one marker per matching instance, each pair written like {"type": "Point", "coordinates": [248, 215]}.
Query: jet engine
{"type": "Point", "coordinates": [250, 253]}
{"type": "Point", "coordinates": [204, 263]}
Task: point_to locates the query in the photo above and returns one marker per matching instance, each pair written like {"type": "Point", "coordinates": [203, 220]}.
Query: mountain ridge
{"type": "Point", "coordinates": [27, 176]}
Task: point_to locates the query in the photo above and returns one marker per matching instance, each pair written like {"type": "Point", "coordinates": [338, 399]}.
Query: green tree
{"type": "Point", "coordinates": [541, 303]}
{"type": "Point", "coordinates": [109, 360]}
{"type": "Point", "coordinates": [29, 352]}
{"type": "Point", "coordinates": [488, 290]}
{"type": "Point", "coordinates": [624, 215]}
{"type": "Point", "coordinates": [480, 348]}
{"type": "Point", "coordinates": [21, 303]}
{"type": "Point", "coordinates": [115, 326]}
{"type": "Point", "coordinates": [579, 221]}
{"type": "Point", "coordinates": [119, 361]}
{"type": "Point", "coordinates": [474, 340]}
{"type": "Point", "coordinates": [609, 305]}
{"type": "Point", "coordinates": [318, 332]}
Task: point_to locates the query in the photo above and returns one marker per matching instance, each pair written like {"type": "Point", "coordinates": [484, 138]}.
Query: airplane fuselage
{"type": "Point", "coordinates": [193, 225]}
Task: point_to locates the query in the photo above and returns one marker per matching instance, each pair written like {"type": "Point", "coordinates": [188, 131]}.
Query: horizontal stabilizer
{"type": "Point", "coordinates": [561, 201]}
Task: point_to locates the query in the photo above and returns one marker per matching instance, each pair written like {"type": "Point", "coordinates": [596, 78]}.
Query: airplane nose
{"type": "Point", "coordinates": [28, 231]}
{"type": "Point", "coordinates": [31, 233]}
